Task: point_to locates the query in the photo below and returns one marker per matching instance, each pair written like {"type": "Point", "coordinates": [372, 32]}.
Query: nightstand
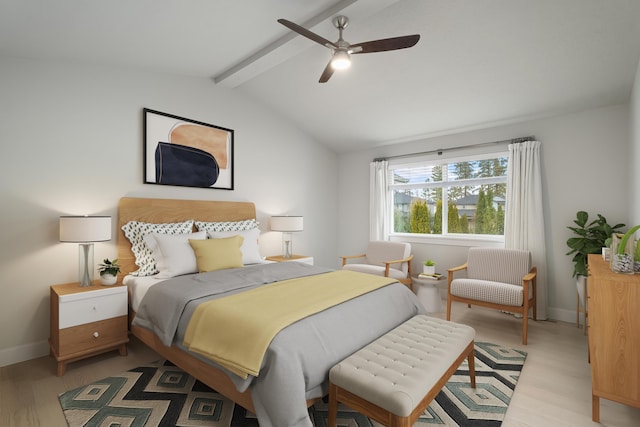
{"type": "Point", "coordinates": [298, 258]}
{"type": "Point", "coordinates": [86, 321]}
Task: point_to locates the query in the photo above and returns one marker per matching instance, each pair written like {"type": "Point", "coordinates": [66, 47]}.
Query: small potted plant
{"type": "Point", "coordinates": [623, 257]}
{"type": "Point", "coordinates": [429, 267]}
{"type": "Point", "coordinates": [108, 271]}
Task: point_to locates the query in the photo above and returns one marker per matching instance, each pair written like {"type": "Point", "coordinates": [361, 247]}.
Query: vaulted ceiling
{"type": "Point", "coordinates": [478, 63]}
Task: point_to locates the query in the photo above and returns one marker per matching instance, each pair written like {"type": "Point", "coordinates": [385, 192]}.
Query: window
{"type": "Point", "coordinates": [457, 196]}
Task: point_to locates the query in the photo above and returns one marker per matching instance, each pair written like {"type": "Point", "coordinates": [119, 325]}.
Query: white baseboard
{"type": "Point", "coordinates": [22, 353]}
{"type": "Point", "coordinates": [563, 315]}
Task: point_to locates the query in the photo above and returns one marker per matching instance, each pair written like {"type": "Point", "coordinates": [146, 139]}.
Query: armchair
{"type": "Point", "coordinates": [496, 278]}
{"type": "Point", "coordinates": [384, 258]}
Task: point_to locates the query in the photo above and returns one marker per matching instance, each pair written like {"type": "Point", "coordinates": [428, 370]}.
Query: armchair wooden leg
{"type": "Point", "coordinates": [448, 307]}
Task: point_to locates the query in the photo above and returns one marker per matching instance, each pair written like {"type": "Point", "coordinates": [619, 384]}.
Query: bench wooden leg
{"type": "Point", "coordinates": [472, 365]}
{"type": "Point", "coordinates": [333, 406]}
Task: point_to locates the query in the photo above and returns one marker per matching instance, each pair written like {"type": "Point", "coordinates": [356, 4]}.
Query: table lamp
{"type": "Point", "coordinates": [287, 225]}
{"type": "Point", "coordinates": [85, 230]}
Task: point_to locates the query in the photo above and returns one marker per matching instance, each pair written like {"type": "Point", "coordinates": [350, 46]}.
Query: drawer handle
{"type": "Point", "coordinates": [96, 335]}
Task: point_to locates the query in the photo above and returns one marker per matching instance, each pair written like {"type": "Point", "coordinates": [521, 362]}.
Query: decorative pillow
{"type": "Point", "coordinates": [217, 254]}
{"type": "Point", "coordinates": [246, 224]}
{"type": "Point", "coordinates": [135, 232]}
{"type": "Point", "coordinates": [173, 253]}
{"type": "Point", "coordinates": [250, 250]}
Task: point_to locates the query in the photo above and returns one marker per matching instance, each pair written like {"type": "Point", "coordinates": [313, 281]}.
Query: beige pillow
{"type": "Point", "coordinates": [217, 254]}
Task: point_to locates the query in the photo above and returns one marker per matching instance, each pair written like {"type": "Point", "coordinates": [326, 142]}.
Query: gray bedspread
{"type": "Point", "coordinates": [296, 365]}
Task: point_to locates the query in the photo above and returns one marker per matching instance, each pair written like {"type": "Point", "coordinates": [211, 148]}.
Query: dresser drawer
{"type": "Point", "coordinates": [92, 336]}
{"type": "Point", "coordinates": [80, 308]}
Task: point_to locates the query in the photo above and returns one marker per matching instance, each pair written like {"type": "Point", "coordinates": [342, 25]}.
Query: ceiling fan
{"type": "Point", "coordinates": [342, 50]}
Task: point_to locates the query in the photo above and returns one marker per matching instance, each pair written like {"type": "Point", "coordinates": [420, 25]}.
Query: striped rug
{"type": "Point", "coordinates": [163, 395]}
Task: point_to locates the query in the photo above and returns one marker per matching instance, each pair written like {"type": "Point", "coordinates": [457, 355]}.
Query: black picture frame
{"type": "Point", "coordinates": [186, 153]}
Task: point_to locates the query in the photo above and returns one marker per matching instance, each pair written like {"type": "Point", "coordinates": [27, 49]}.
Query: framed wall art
{"type": "Point", "coordinates": [187, 153]}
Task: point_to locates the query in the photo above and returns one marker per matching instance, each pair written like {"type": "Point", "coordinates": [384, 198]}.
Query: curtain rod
{"type": "Point", "coordinates": [439, 151]}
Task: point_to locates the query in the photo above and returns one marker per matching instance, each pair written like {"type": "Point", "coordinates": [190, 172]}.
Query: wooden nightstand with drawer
{"type": "Point", "coordinates": [86, 321]}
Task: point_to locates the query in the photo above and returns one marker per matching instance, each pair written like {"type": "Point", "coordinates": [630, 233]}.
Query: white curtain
{"type": "Point", "coordinates": [524, 221]}
{"type": "Point", "coordinates": [378, 206]}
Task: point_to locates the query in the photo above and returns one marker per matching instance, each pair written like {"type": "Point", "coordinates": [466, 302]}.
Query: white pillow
{"type": "Point", "coordinates": [135, 232]}
{"type": "Point", "coordinates": [250, 250]}
{"type": "Point", "coordinates": [246, 224]}
{"type": "Point", "coordinates": [173, 254]}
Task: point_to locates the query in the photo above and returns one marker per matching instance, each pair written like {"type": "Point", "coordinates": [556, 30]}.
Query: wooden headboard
{"type": "Point", "coordinates": [172, 210]}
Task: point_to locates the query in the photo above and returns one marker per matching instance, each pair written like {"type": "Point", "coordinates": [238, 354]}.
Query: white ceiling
{"type": "Point", "coordinates": [478, 62]}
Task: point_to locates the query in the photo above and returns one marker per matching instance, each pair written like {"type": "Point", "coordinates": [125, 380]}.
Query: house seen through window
{"type": "Point", "coordinates": [450, 196]}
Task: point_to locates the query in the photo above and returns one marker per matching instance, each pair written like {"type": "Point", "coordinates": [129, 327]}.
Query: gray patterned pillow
{"type": "Point", "coordinates": [135, 232]}
{"type": "Point", "coordinates": [247, 224]}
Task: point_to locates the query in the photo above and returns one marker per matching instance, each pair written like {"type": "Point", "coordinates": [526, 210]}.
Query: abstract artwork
{"type": "Point", "coordinates": [188, 153]}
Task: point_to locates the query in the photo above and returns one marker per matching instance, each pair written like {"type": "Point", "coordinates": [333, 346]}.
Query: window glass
{"type": "Point", "coordinates": [447, 197]}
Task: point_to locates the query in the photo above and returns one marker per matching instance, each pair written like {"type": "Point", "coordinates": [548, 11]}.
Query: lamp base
{"type": "Point", "coordinates": [85, 264]}
{"type": "Point", "coordinates": [287, 245]}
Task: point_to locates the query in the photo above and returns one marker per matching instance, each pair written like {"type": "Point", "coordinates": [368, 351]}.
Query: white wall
{"type": "Point", "coordinates": [72, 144]}
{"type": "Point", "coordinates": [634, 157]}
{"type": "Point", "coordinates": [585, 167]}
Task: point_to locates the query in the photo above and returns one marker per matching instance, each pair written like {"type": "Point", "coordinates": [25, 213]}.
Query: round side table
{"type": "Point", "coordinates": [428, 294]}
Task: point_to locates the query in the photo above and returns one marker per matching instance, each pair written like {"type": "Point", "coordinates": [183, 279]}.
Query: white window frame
{"type": "Point", "coordinates": [453, 239]}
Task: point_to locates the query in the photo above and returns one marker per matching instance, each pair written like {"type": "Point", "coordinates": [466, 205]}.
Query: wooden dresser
{"type": "Point", "coordinates": [614, 335]}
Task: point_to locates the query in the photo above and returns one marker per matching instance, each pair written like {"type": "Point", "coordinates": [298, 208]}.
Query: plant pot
{"type": "Point", "coordinates": [108, 279]}
{"type": "Point", "coordinates": [622, 263]}
{"type": "Point", "coordinates": [429, 269]}
{"type": "Point", "coordinates": [581, 288]}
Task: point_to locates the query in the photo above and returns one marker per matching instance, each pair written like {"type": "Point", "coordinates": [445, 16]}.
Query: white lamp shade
{"type": "Point", "coordinates": [287, 223]}
{"type": "Point", "coordinates": [83, 229]}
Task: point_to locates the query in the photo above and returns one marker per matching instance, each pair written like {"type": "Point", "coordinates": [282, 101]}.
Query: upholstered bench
{"type": "Point", "coordinates": [393, 379]}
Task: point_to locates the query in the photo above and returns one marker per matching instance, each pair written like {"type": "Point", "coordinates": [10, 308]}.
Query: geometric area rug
{"type": "Point", "coordinates": [161, 394]}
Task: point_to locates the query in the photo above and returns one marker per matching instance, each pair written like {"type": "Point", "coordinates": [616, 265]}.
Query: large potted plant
{"type": "Point", "coordinates": [590, 238]}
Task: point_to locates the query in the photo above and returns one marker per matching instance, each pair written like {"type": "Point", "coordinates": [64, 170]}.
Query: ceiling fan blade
{"type": "Point", "coordinates": [308, 34]}
{"type": "Point", "coordinates": [326, 74]}
{"type": "Point", "coordinates": [385, 44]}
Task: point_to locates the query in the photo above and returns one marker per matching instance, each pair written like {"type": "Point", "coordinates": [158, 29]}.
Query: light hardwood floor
{"type": "Point", "coordinates": [554, 388]}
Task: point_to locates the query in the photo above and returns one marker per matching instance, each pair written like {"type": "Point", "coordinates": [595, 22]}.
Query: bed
{"type": "Point", "coordinates": [264, 394]}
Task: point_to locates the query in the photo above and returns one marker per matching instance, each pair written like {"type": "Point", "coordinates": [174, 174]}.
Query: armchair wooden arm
{"type": "Point", "coordinates": [346, 257]}
{"type": "Point", "coordinates": [453, 270]}
{"type": "Point", "coordinates": [398, 261]}
{"type": "Point", "coordinates": [531, 275]}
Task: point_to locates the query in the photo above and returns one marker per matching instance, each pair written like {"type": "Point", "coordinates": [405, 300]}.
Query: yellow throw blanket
{"type": "Point", "coordinates": [235, 331]}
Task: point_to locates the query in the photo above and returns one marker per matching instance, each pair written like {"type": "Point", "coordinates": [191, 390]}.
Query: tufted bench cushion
{"type": "Point", "coordinates": [393, 379]}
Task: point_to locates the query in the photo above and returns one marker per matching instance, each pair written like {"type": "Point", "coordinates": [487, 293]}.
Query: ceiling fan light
{"type": "Point", "coordinates": [341, 60]}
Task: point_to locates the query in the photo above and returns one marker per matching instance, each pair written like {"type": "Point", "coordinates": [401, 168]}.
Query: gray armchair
{"type": "Point", "coordinates": [496, 278]}
{"type": "Point", "coordinates": [384, 258]}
